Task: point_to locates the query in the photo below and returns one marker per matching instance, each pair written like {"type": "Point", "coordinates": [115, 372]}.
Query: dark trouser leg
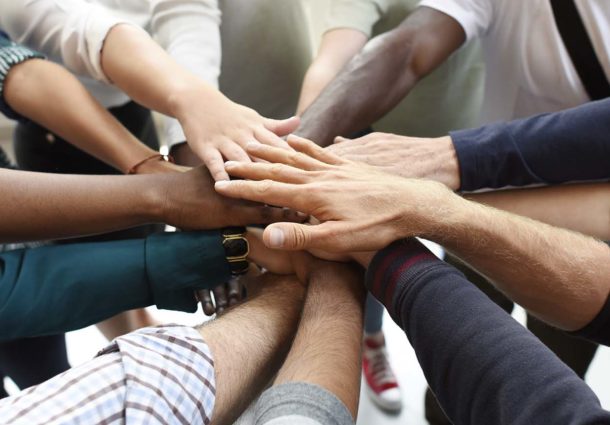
{"type": "Point", "coordinates": [31, 361]}
{"type": "Point", "coordinates": [575, 352]}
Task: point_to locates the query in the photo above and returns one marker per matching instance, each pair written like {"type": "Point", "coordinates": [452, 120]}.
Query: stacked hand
{"type": "Point", "coordinates": [410, 157]}
{"type": "Point", "coordinates": [359, 207]}
{"type": "Point", "coordinates": [218, 128]}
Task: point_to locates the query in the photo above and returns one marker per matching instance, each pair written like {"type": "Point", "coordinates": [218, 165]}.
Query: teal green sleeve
{"type": "Point", "coordinates": [59, 288]}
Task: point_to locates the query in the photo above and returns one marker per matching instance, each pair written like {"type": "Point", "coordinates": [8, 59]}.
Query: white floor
{"type": "Point", "coordinates": [83, 344]}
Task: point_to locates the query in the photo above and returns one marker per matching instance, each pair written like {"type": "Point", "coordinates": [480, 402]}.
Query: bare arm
{"type": "Point", "coordinates": [381, 75]}
{"type": "Point", "coordinates": [583, 208]}
{"type": "Point", "coordinates": [215, 127]}
{"type": "Point", "coordinates": [337, 48]}
{"type": "Point", "coordinates": [32, 86]}
{"type": "Point", "coordinates": [39, 206]}
{"type": "Point", "coordinates": [558, 275]}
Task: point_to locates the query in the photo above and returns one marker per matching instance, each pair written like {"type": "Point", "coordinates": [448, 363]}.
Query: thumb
{"type": "Point", "coordinates": [297, 237]}
{"type": "Point", "coordinates": [283, 127]}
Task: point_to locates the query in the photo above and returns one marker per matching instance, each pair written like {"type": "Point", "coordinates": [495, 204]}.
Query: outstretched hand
{"type": "Point", "coordinates": [433, 159]}
{"type": "Point", "coordinates": [188, 201]}
{"type": "Point", "coordinates": [218, 128]}
{"type": "Point", "coordinates": [359, 207]}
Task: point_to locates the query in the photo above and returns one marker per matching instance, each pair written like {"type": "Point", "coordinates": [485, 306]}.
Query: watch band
{"type": "Point", "coordinates": [236, 248]}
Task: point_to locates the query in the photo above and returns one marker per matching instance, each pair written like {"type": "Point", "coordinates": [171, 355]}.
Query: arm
{"type": "Point", "coordinates": [33, 86]}
{"type": "Point", "coordinates": [561, 147]}
{"type": "Point", "coordinates": [95, 281]}
{"type": "Point", "coordinates": [583, 208]}
{"type": "Point", "coordinates": [337, 47]}
{"type": "Point", "coordinates": [381, 75]}
{"type": "Point", "coordinates": [91, 41]}
{"type": "Point", "coordinates": [361, 209]}
{"type": "Point", "coordinates": [39, 206]}
{"type": "Point", "coordinates": [505, 376]}
{"type": "Point", "coordinates": [214, 126]}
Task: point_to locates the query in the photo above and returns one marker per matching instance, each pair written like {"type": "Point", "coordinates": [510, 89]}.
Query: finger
{"type": "Point", "coordinates": [340, 139]}
{"type": "Point", "coordinates": [261, 171]}
{"type": "Point", "coordinates": [269, 138]}
{"type": "Point", "coordinates": [312, 150]}
{"type": "Point", "coordinates": [296, 237]}
{"type": "Point", "coordinates": [206, 302]}
{"type": "Point", "coordinates": [283, 156]}
{"type": "Point", "coordinates": [235, 291]}
{"type": "Point", "coordinates": [220, 297]}
{"type": "Point", "coordinates": [216, 166]}
{"type": "Point", "coordinates": [234, 152]}
{"type": "Point", "coordinates": [266, 192]}
{"type": "Point", "coordinates": [267, 214]}
{"type": "Point", "coordinates": [283, 127]}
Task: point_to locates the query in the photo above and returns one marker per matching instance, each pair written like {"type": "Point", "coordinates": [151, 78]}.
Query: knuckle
{"type": "Point", "coordinates": [265, 186]}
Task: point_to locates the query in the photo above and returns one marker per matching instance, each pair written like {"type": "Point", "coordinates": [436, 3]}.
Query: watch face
{"type": "Point", "coordinates": [235, 247]}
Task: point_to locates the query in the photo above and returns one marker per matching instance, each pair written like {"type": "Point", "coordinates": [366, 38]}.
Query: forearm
{"type": "Point", "coordinates": [505, 376]}
{"type": "Point", "coordinates": [90, 281]}
{"type": "Point", "coordinates": [32, 88]}
{"type": "Point", "coordinates": [95, 281]}
{"type": "Point", "coordinates": [326, 350]}
{"type": "Point", "coordinates": [566, 146]}
{"type": "Point", "coordinates": [583, 208]}
{"type": "Point", "coordinates": [47, 206]}
{"type": "Point", "coordinates": [370, 85]}
{"type": "Point", "coordinates": [164, 87]}
{"type": "Point", "coordinates": [338, 46]}
{"type": "Point", "coordinates": [255, 334]}
{"type": "Point", "coordinates": [557, 275]}
{"type": "Point", "coordinates": [381, 75]}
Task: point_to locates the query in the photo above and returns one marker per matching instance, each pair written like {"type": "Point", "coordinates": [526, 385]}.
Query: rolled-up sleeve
{"type": "Point", "coordinates": [71, 32]}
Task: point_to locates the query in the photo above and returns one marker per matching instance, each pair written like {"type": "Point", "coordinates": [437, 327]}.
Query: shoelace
{"type": "Point", "coordinates": [382, 373]}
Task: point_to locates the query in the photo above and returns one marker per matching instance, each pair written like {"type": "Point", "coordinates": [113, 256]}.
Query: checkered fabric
{"type": "Point", "coordinates": [160, 375]}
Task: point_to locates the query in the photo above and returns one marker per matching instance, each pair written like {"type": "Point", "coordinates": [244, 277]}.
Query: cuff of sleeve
{"type": "Point", "coordinates": [299, 400]}
{"type": "Point", "coordinates": [599, 328]}
{"type": "Point", "coordinates": [358, 15]}
{"type": "Point", "coordinates": [179, 263]}
{"type": "Point", "coordinates": [13, 54]}
{"type": "Point", "coordinates": [466, 149]}
{"type": "Point", "coordinates": [463, 16]}
{"type": "Point", "coordinates": [98, 26]}
{"type": "Point", "coordinates": [393, 267]}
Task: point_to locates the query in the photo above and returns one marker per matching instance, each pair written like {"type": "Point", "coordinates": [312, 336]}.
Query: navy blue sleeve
{"type": "Point", "coordinates": [482, 365]}
{"type": "Point", "coordinates": [567, 146]}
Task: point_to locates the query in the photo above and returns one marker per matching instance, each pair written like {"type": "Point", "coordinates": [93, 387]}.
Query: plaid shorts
{"type": "Point", "coordinates": [159, 375]}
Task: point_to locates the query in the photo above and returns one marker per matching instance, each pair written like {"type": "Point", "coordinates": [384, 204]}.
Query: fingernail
{"type": "Point", "coordinates": [276, 238]}
{"type": "Point", "coordinates": [229, 164]}
{"type": "Point", "coordinates": [221, 184]}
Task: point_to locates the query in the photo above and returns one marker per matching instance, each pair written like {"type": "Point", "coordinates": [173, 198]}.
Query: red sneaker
{"type": "Point", "coordinates": [381, 383]}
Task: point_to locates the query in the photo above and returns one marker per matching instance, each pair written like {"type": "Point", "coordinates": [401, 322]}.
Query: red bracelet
{"type": "Point", "coordinates": [157, 156]}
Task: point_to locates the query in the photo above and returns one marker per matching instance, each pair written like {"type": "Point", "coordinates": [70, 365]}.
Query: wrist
{"type": "Point", "coordinates": [449, 170]}
{"type": "Point", "coordinates": [189, 93]}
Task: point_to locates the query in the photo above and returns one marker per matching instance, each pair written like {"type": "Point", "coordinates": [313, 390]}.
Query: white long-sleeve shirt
{"type": "Point", "coordinates": [265, 43]}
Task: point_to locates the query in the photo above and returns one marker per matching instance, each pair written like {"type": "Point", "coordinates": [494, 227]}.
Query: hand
{"type": "Point", "coordinates": [359, 207]}
{"type": "Point", "coordinates": [225, 295]}
{"type": "Point", "coordinates": [218, 128]}
{"type": "Point", "coordinates": [410, 157]}
{"type": "Point", "coordinates": [188, 201]}
{"type": "Point", "coordinates": [158, 166]}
